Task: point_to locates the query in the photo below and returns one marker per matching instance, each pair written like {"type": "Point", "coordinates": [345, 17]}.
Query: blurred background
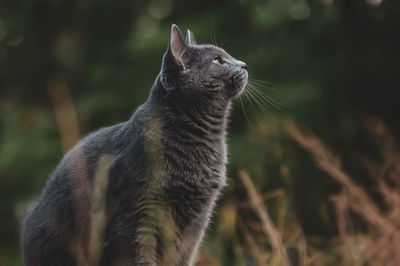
{"type": "Point", "coordinates": [313, 163]}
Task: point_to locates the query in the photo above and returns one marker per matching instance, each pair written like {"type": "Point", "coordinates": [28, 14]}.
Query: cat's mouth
{"type": "Point", "coordinates": [241, 79]}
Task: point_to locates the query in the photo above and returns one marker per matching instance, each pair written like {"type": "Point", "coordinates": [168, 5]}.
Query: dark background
{"type": "Point", "coordinates": [70, 67]}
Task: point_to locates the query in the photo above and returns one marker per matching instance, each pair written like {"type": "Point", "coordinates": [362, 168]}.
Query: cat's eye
{"type": "Point", "coordinates": [218, 60]}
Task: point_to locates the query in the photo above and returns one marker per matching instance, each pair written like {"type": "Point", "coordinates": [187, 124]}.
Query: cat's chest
{"type": "Point", "coordinates": [186, 156]}
{"type": "Point", "coordinates": [196, 173]}
{"type": "Point", "coordinates": [195, 178]}
{"type": "Point", "coordinates": [204, 159]}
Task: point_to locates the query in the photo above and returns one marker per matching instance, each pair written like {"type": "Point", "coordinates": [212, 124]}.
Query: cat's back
{"type": "Point", "coordinates": [60, 222]}
{"type": "Point", "coordinates": [85, 156]}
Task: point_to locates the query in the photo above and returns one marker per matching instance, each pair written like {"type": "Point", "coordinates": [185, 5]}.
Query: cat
{"type": "Point", "coordinates": [141, 192]}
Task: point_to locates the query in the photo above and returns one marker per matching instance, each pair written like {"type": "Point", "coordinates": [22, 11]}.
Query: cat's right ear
{"type": "Point", "coordinates": [177, 46]}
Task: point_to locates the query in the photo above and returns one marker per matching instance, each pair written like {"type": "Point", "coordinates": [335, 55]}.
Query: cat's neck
{"type": "Point", "coordinates": [200, 111]}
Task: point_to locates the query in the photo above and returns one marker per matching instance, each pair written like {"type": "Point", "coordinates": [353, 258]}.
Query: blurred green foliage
{"type": "Point", "coordinates": [332, 60]}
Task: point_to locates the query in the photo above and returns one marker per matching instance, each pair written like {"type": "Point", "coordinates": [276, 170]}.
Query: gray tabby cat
{"type": "Point", "coordinates": [141, 192]}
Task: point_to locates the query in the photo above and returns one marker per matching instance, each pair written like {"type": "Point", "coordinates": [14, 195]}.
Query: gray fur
{"type": "Point", "coordinates": [141, 192]}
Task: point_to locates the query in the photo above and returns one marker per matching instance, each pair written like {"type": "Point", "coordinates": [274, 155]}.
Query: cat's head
{"type": "Point", "coordinates": [192, 69]}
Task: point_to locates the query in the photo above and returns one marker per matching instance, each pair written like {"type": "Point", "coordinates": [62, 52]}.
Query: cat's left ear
{"type": "Point", "coordinates": [190, 40]}
{"type": "Point", "coordinates": [177, 45]}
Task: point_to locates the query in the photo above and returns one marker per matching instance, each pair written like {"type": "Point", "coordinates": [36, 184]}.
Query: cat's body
{"type": "Point", "coordinates": [141, 192]}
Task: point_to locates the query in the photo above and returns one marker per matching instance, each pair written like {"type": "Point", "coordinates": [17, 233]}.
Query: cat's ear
{"type": "Point", "coordinates": [176, 45]}
{"type": "Point", "coordinates": [190, 40]}
{"type": "Point", "coordinates": [173, 60]}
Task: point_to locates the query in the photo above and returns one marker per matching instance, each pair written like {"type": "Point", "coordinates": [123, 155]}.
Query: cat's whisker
{"type": "Point", "coordinates": [277, 104]}
{"type": "Point", "coordinates": [255, 110]}
{"type": "Point", "coordinates": [232, 46]}
{"type": "Point", "coordinates": [273, 96]}
{"type": "Point", "coordinates": [244, 112]}
{"type": "Point", "coordinates": [267, 85]}
{"type": "Point", "coordinates": [255, 91]}
{"type": "Point", "coordinates": [270, 88]}
{"type": "Point", "coordinates": [251, 99]}
{"type": "Point", "coordinates": [248, 98]}
{"type": "Point", "coordinates": [268, 99]}
{"type": "Point", "coordinates": [222, 44]}
{"type": "Point", "coordinates": [259, 105]}
{"type": "Point", "coordinates": [212, 34]}
{"type": "Point", "coordinates": [263, 106]}
{"type": "Point", "coordinates": [215, 37]}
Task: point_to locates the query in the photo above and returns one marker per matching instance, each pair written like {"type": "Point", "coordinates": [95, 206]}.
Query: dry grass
{"type": "Point", "coordinates": [260, 240]}
{"type": "Point", "coordinates": [268, 227]}
{"type": "Point", "coordinates": [378, 244]}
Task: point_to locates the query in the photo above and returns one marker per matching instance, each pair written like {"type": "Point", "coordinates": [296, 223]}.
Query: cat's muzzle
{"type": "Point", "coordinates": [241, 81]}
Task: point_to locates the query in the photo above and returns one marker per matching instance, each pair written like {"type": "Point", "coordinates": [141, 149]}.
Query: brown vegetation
{"type": "Point", "coordinates": [377, 209]}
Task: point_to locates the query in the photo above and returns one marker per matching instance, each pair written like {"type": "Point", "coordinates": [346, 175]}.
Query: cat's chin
{"type": "Point", "coordinates": [241, 84]}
